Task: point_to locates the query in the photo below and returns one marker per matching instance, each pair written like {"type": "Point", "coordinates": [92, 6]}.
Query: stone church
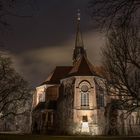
{"type": "Point", "coordinates": [73, 100]}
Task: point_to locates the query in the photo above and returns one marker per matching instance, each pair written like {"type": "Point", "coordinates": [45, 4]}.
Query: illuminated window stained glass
{"type": "Point", "coordinates": [84, 99]}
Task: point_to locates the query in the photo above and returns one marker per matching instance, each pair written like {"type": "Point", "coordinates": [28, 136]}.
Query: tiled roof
{"type": "Point", "coordinates": [82, 68]}
{"type": "Point", "coordinates": [59, 72]}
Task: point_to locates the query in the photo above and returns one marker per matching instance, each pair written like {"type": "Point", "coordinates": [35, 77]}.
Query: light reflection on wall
{"type": "Point", "coordinates": [85, 127]}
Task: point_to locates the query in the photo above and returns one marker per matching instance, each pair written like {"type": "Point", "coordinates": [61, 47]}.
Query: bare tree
{"type": "Point", "coordinates": [14, 90]}
{"type": "Point", "coordinates": [110, 12]}
{"type": "Point", "coordinates": [122, 65]}
{"type": "Point", "coordinates": [15, 96]}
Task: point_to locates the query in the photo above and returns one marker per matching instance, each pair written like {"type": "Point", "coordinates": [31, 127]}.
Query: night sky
{"type": "Point", "coordinates": [38, 43]}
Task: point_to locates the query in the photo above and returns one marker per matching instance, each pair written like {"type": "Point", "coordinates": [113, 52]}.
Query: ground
{"type": "Point", "coordinates": [44, 137]}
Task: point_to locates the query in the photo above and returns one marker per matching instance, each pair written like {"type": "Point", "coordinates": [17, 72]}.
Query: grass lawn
{"type": "Point", "coordinates": [44, 137]}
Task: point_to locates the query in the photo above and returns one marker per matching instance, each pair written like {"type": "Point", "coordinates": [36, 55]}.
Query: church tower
{"type": "Point", "coordinates": [79, 50]}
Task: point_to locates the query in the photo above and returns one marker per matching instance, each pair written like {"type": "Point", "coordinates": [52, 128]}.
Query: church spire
{"type": "Point", "coordinates": [79, 45]}
{"type": "Point", "coordinates": [79, 39]}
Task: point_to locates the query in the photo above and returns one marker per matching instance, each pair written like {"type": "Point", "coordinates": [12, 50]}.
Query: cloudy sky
{"type": "Point", "coordinates": [39, 43]}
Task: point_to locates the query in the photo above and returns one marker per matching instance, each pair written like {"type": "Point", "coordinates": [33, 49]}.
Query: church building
{"type": "Point", "coordinates": [73, 99]}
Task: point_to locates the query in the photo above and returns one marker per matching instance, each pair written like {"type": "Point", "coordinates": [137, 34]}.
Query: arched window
{"type": "Point", "coordinates": [84, 91]}
{"type": "Point", "coordinates": [102, 100]}
{"type": "Point", "coordinates": [84, 99]}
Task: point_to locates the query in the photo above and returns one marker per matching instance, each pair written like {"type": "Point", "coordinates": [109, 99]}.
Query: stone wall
{"type": "Point", "coordinates": [65, 106]}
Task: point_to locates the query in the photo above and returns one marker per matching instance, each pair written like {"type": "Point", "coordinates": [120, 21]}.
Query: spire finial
{"type": "Point", "coordinates": [79, 50]}
{"type": "Point", "coordinates": [78, 14]}
{"type": "Point", "coordinates": [79, 39]}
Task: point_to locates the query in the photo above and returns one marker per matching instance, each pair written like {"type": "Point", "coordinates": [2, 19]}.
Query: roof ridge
{"type": "Point", "coordinates": [82, 67]}
{"type": "Point", "coordinates": [58, 73]}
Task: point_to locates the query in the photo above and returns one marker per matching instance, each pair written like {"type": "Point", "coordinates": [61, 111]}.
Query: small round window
{"type": "Point", "coordinates": [84, 88]}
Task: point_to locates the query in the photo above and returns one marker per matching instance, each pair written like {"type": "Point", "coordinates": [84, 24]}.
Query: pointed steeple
{"type": "Point", "coordinates": [79, 39]}
{"type": "Point", "coordinates": [79, 50]}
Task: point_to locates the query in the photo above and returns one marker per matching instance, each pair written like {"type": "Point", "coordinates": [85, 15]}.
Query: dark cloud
{"type": "Point", "coordinates": [36, 64]}
{"type": "Point", "coordinates": [47, 39]}
{"type": "Point", "coordinates": [52, 23]}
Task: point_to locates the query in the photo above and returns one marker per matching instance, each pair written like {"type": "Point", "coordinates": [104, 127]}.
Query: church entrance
{"type": "Point", "coordinates": [85, 125]}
